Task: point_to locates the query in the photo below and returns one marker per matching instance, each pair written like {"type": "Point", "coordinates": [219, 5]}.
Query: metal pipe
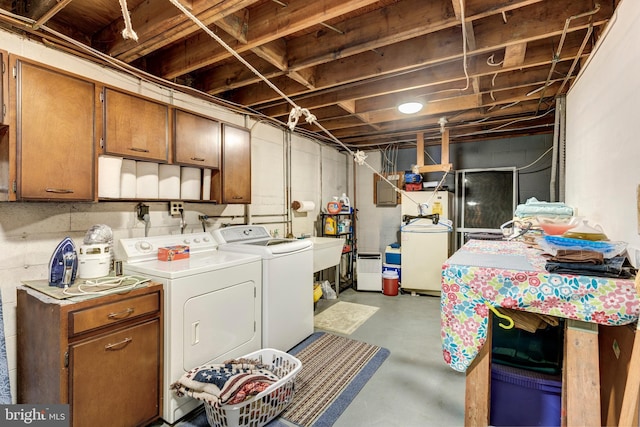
{"type": "Point", "coordinates": [554, 157]}
{"type": "Point", "coordinates": [556, 57]}
{"type": "Point", "coordinates": [562, 147]}
{"type": "Point", "coordinates": [576, 59]}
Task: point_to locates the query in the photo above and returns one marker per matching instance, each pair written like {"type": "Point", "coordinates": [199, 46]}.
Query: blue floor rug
{"type": "Point", "coordinates": [334, 370]}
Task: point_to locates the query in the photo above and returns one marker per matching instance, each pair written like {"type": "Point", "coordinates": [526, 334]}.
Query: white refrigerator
{"type": "Point", "coordinates": [425, 246]}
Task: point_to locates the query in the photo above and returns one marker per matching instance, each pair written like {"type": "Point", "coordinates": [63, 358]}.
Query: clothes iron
{"type": "Point", "coordinates": [63, 265]}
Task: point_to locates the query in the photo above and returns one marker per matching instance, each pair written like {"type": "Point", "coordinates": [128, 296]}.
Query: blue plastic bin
{"type": "Point", "coordinates": [524, 398]}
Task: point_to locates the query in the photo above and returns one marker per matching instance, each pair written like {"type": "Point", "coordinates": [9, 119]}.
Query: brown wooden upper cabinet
{"type": "Point", "coordinates": [233, 183]}
{"type": "Point", "coordinates": [55, 135]}
{"type": "Point", "coordinates": [135, 127]}
{"type": "Point", "coordinates": [196, 140]}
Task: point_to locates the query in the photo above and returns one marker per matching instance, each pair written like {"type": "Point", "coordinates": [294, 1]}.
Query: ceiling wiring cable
{"type": "Point", "coordinates": [510, 105]}
{"type": "Point", "coordinates": [464, 44]}
{"type": "Point", "coordinates": [536, 160]}
{"type": "Point", "coordinates": [491, 61]}
{"type": "Point", "coordinates": [524, 119]}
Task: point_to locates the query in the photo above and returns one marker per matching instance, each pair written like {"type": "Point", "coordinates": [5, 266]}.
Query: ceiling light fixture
{"type": "Point", "coordinates": [411, 107]}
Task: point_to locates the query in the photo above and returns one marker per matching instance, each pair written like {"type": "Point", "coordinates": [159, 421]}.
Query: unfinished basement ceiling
{"type": "Point", "coordinates": [350, 62]}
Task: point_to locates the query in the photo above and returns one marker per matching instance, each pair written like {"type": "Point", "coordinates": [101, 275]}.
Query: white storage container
{"type": "Point", "coordinates": [369, 271]}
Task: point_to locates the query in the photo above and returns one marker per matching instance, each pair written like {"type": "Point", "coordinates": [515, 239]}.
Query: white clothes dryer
{"type": "Point", "coordinates": [212, 306]}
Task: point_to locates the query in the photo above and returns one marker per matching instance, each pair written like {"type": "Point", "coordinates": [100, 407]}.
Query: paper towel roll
{"type": "Point", "coordinates": [109, 176]}
{"type": "Point", "coordinates": [303, 206]}
{"type": "Point", "coordinates": [169, 182]}
{"type": "Point", "coordinates": [146, 180]}
{"type": "Point", "coordinates": [128, 186]}
{"type": "Point", "coordinates": [206, 184]}
{"type": "Point", "coordinates": [190, 183]}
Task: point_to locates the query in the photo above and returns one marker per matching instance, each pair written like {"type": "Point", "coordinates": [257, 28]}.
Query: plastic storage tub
{"type": "Point", "coordinates": [524, 398]}
{"type": "Point", "coordinates": [265, 406]}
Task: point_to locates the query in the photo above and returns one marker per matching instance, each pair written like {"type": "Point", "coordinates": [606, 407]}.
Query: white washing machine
{"type": "Point", "coordinates": [287, 282]}
{"type": "Point", "coordinates": [212, 306]}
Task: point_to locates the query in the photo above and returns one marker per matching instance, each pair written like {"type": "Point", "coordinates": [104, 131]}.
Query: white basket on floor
{"type": "Point", "coordinates": [266, 405]}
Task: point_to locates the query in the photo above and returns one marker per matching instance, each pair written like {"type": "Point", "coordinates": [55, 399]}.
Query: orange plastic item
{"type": "Point", "coordinates": [334, 207]}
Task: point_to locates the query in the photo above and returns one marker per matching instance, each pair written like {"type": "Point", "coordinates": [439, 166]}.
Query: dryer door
{"type": "Point", "coordinates": [219, 322]}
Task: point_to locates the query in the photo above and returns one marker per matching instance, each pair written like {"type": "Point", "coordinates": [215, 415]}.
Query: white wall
{"type": "Point", "coordinates": [29, 232]}
{"type": "Point", "coordinates": [603, 107]}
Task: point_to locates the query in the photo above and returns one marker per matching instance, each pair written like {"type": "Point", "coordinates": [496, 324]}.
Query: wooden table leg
{"type": "Point", "coordinates": [632, 387]}
{"type": "Point", "coordinates": [581, 376]}
{"type": "Point", "coordinates": [477, 397]}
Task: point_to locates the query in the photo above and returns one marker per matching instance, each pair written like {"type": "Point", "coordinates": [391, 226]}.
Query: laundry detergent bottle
{"type": "Point", "coordinates": [345, 203]}
{"type": "Point", "coordinates": [330, 225]}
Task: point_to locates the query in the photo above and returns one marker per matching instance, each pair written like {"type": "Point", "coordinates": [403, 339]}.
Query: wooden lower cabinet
{"type": "Point", "coordinates": [102, 356]}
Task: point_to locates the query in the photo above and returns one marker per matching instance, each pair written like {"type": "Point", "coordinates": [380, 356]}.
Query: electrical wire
{"type": "Point", "coordinates": [112, 285]}
{"type": "Point", "coordinates": [535, 161]}
{"type": "Point", "coordinates": [464, 44]}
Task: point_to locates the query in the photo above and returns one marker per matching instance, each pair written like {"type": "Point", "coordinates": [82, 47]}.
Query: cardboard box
{"type": "Point", "coordinates": [173, 253]}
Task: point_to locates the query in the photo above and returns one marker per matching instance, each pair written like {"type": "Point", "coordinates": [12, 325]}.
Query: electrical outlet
{"type": "Point", "coordinates": [175, 208]}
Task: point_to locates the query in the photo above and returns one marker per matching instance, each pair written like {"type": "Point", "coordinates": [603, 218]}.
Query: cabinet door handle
{"type": "Point", "coordinates": [121, 314]}
{"type": "Point", "coordinates": [122, 344]}
{"type": "Point", "coordinates": [197, 159]}
{"type": "Point", "coordinates": [140, 150]}
{"type": "Point", "coordinates": [59, 190]}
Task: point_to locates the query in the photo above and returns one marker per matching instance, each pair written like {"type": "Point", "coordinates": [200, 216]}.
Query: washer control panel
{"type": "Point", "coordinates": [146, 248]}
{"type": "Point", "coordinates": [241, 233]}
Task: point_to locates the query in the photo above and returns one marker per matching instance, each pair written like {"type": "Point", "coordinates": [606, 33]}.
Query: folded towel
{"type": "Point", "coordinates": [616, 267]}
{"type": "Point", "coordinates": [224, 384]}
{"type": "Point", "coordinates": [577, 256]}
{"type": "Point", "coordinates": [533, 207]}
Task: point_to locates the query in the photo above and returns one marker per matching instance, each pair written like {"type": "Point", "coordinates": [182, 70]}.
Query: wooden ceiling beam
{"type": "Point", "coordinates": [398, 22]}
{"type": "Point", "coordinates": [534, 77]}
{"type": "Point", "coordinates": [274, 52]}
{"type": "Point", "coordinates": [422, 51]}
{"type": "Point", "coordinates": [236, 25]}
{"type": "Point", "coordinates": [267, 23]}
{"type": "Point", "coordinates": [538, 54]}
{"type": "Point", "coordinates": [159, 24]}
{"type": "Point", "coordinates": [514, 55]}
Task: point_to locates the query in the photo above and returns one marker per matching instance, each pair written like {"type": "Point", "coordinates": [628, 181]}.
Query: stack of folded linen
{"type": "Point", "coordinates": [533, 208]}
{"type": "Point", "coordinates": [589, 263]}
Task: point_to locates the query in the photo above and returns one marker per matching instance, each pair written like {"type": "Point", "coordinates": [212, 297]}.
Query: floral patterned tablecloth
{"type": "Point", "coordinates": [468, 289]}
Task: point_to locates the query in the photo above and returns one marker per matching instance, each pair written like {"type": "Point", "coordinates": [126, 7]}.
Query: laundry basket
{"type": "Point", "coordinates": [266, 405]}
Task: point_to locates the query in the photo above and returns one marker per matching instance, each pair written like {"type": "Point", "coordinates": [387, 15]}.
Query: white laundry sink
{"type": "Point", "coordinates": [326, 252]}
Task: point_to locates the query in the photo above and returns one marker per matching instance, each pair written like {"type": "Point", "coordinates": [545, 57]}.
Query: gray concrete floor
{"type": "Point", "coordinates": [414, 387]}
